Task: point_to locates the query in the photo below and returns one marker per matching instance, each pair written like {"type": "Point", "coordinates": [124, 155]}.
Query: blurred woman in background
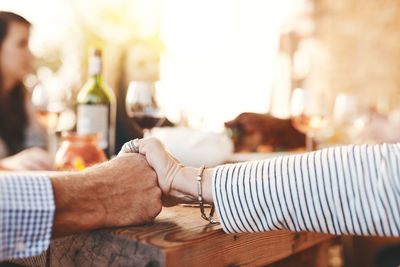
{"type": "Point", "coordinates": [18, 128]}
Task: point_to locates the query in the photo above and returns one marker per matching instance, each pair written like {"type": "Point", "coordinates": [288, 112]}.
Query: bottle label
{"type": "Point", "coordinates": [94, 119]}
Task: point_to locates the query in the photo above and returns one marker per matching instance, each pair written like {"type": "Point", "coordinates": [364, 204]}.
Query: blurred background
{"type": "Point", "coordinates": [328, 68]}
{"type": "Point", "coordinates": [212, 60]}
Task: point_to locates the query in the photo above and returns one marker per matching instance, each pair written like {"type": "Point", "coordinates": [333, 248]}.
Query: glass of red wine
{"type": "Point", "coordinates": [141, 106]}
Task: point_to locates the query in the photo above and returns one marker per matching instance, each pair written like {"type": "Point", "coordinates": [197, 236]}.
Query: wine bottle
{"type": "Point", "coordinates": [96, 109]}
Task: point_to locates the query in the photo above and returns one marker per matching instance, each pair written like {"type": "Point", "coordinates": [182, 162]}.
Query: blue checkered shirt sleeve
{"type": "Point", "coordinates": [26, 215]}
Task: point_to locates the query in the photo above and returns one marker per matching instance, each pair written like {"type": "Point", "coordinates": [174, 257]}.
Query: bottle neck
{"type": "Point", "coordinates": [95, 66]}
{"type": "Point", "coordinates": [95, 69]}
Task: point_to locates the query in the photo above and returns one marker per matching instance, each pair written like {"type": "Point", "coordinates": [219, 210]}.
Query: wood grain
{"type": "Point", "coordinates": [178, 237]}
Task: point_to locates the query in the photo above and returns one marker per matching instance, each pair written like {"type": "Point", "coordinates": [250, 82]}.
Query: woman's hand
{"type": "Point", "coordinates": [178, 183]}
{"type": "Point", "coordinates": [29, 159]}
{"type": "Point", "coordinates": [165, 165]}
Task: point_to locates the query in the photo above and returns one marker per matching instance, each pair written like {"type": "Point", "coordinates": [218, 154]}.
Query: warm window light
{"type": "Point", "coordinates": [219, 58]}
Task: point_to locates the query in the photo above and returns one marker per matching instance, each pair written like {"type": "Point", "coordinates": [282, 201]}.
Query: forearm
{"type": "Point", "coordinates": [77, 208]}
{"type": "Point", "coordinates": [33, 208]}
{"type": "Point", "coordinates": [342, 190]}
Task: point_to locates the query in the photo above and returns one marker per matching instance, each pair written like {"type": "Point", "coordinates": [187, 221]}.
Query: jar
{"type": "Point", "coordinates": [78, 151]}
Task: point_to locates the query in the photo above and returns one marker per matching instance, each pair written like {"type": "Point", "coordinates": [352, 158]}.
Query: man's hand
{"type": "Point", "coordinates": [120, 192]}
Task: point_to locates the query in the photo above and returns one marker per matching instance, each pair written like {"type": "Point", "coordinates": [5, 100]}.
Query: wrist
{"type": "Point", "coordinates": [76, 207]}
{"type": "Point", "coordinates": [186, 183]}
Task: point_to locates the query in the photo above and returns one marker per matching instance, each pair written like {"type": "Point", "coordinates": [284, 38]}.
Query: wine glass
{"type": "Point", "coordinates": [309, 114]}
{"type": "Point", "coordinates": [141, 106]}
{"type": "Point", "coordinates": [48, 103]}
{"type": "Point", "coordinates": [350, 116]}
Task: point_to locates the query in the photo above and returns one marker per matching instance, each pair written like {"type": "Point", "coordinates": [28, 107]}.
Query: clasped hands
{"type": "Point", "coordinates": [127, 190]}
{"type": "Point", "coordinates": [177, 183]}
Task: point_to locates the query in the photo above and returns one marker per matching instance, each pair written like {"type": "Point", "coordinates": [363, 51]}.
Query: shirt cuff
{"type": "Point", "coordinates": [27, 210]}
{"type": "Point", "coordinates": [219, 191]}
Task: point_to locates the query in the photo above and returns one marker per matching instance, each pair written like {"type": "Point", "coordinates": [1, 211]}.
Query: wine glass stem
{"type": "Point", "coordinates": [51, 141]}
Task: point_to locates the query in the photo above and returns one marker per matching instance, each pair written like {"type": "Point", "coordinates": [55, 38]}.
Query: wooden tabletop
{"type": "Point", "coordinates": [178, 237]}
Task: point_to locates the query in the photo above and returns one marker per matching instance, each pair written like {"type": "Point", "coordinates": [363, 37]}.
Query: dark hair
{"type": "Point", "coordinates": [13, 116]}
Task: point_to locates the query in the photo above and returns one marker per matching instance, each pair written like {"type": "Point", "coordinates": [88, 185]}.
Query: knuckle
{"type": "Point", "coordinates": [148, 140]}
{"type": "Point", "coordinates": [152, 178]}
{"type": "Point", "coordinates": [157, 141]}
{"type": "Point", "coordinates": [154, 204]}
{"type": "Point", "coordinates": [154, 141]}
{"type": "Point", "coordinates": [158, 193]}
{"type": "Point", "coordinates": [156, 208]}
{"type": "Point", "coordinates": [159, 209]}
{"type": "Point", "coordinates": [154, 192]}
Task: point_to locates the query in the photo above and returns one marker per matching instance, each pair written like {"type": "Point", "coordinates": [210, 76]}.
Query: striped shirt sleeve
{"type": "Point", "coordinates": [339, 190]}
{"type": "Point", "coordinates": [26, 215]}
